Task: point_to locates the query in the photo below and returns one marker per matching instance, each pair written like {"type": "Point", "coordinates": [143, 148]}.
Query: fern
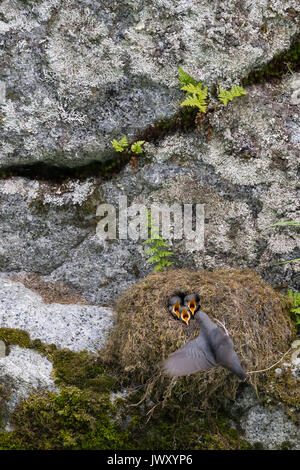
{"type": "Point", "coordinates": [225, 95]}
{"type": "Point", "coordinates": [120, 145]}
{"type": "Point", "coordinates": [196, 96]}
{"type": "Point", "coordinates": [295, 312]}
{"type": "Point", "coordinates": [137, 146]}
{"type": "Point", "coordinates": [185, 78]}
{"type": "Point", "coordinates": [158, 254]}
{"type": "Point", "coordinates": [289, 222]}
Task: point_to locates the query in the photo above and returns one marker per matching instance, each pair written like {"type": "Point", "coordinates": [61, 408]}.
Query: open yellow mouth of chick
{"type": "Point", "coordinates": [185, 316]}
{"type": "Point", "coordinates": [192, 306]}
{"type": "Point", "coordinates": [176, 308]}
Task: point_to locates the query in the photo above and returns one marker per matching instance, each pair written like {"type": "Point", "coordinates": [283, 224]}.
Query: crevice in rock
{"type": "Point", "coordinates": [183, 120]}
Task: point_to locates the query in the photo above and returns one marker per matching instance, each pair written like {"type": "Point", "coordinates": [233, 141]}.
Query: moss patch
{"type": "Point", "coordinates": [280, 64]}
{"type": "Point", "coordinates": [283, 388]}
{"type": "Point", "coordinates": [73, 419]}
{"type": "Point", "coordinates": [16, 337]}
{"type": "Point", "coordinates": [79, 417]}
{"type": "Point", "coordinates": [145, 333]}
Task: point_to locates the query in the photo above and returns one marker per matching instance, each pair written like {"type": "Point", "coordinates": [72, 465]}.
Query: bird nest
{"type": "Point", "coordinates": [145, 333]}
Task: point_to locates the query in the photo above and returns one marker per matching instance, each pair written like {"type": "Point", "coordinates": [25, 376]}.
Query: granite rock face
{"type": "Point", "coordinates": [245, 175]}
{"type": "Point", "coordinates": [75, 327]}
{"type": "Point", "coordinates": [22, 372]}
{"type": "Point", "coordinates": [74, 74]}
{"type": "Point", "coordinates": [270, 427]}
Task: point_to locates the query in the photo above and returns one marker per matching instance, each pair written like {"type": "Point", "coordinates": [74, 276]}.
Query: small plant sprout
{"type": "Point", "coordinates": [160, 250]}
{"type": "Point", "coordinates": [225, 95]}
{"type": "Point", "coordinates": [120, 145]}
{"type": "Point", "coordinates": [137, 146]}
{"type": "Point", "coordinates": [185, 78]}
{"type": "Point", "coordinates": [197, 95]}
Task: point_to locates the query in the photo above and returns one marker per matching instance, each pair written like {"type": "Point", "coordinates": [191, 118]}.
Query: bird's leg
{"type": "Point", "coordinates": [223, 326]}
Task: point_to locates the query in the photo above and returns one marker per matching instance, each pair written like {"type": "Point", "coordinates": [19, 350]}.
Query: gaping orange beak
{"type": "Point", "coordinates": [192, 306]}
{"type": "Point", "coordinates": [185, 316]}
{"type": "Point", "coordinates": [176, 308]}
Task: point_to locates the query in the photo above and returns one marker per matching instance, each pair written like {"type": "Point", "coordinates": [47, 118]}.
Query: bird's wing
{"type": "Point", "coordinates": [194, 356]}
{"type": "Point", "coordinates": [223, 348]}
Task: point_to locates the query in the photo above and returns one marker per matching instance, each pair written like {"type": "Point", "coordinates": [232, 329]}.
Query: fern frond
{"type": "Point", "coordinates": [237, 91]}
{"type": "Point", "coordinates": [289, 222]}
{"type": "Point", "coordinates": [150, 251]}
{"type": "Point", "coordinates": [185, 78]}
{"type": "Point", "coordinates": [120, 145]}
{"type": "Point", "coordinates": [160, 242]}
{"type": "Point", "coordinates": [195, 100]}
{"type": "Point", "coordinates": [228, 95]}
{"type": "Point", "coordinates": [137, 146]}
{"type": "Point", "coordinates": [195, 89]}
{"type": "Point", "coordinates": [153, 258]}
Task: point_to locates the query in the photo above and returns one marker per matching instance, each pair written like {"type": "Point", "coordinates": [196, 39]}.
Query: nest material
{"type": "Point", "coordinates": [145, 333]}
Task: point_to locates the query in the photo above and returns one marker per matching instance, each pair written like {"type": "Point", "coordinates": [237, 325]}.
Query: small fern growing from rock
{"type": "Point", "coordinates": [224, 95]}
{"type": "Point", "coordinates": [137, 146]}
{"type": "Point", "coordinates": [160, 250]}
{"type": "Point", "coordinates": [120, 145]}
{"type": "Point", "coordinates": [197, 95]}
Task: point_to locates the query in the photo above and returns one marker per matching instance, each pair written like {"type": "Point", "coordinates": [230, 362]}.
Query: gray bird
{"type": "Point", "coordinates": [213, 347]}
{"type": "Point", "coordinates": [191, 302]}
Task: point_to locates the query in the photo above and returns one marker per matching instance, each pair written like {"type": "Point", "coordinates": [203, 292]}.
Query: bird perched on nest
{"type": "Point", "coordinates": [213, 347]}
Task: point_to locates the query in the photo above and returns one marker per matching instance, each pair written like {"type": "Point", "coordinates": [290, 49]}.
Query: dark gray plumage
{"type": "Point", "coordinates": [211, 348]}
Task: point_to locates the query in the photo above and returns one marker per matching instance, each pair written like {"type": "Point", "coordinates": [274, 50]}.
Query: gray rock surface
{"type": "Point", "coordinates": [271, 427]}
{"type": "Point", "coordinates": [76, 327]}
{"type": "Point", "coordinates": [74, 73]}
{"type": "Point", "coordinates": [24, 371]}
{"type": "Point", "coordinates": [246, 176]}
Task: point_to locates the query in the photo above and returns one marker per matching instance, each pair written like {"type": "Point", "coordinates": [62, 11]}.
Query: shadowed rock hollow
{"type": "Point", "coordinates": [145, 332]}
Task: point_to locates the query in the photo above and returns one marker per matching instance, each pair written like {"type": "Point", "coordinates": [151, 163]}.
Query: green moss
{"type": "Point", "coordinates": [17, 337]}
{"type": "Point", "coordinates": [73, 419]}
{"type": "Point", "coordinates": [282, 389]}
{"type": "Point", "coordinates": [279, 65]}
{"type": "Point", "coordinates": [81, 370]}
{"type": "Point", "coordinates": [184, 431]}
{"type": "Point", "coordinates": [82, 416]}
{"type": "Point", "coordinates": [79, 417]}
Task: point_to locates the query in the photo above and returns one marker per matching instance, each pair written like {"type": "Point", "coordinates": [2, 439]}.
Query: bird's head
{"type": "Point", "coordinates": [191, 302]}
{"type": "Point", "coordinates": [185, 315]}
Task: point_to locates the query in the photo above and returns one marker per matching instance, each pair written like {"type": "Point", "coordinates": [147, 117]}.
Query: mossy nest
{"type": "Point", "coordinates": [145, 333]}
